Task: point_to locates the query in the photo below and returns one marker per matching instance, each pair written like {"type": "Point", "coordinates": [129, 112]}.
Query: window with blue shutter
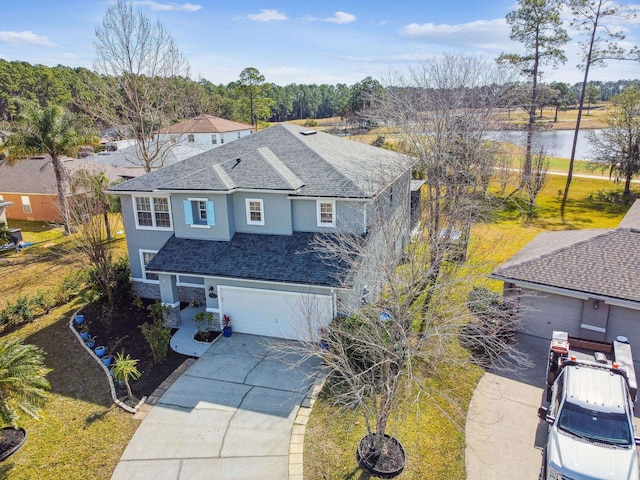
{"type": "Point", "coordinates": [211, 217]}
{"type": "Point", "coordinates": [188, 212]}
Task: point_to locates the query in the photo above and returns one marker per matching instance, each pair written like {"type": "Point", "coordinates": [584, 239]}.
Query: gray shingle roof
{"type": "Point", "coordinates": [35, 175]}
{"type": "Point", "coordinates": [596, 262]}
{"type": "Point", "coordinates": [276, 258]}
{"type": "Point", "coordinates": [307, 165]}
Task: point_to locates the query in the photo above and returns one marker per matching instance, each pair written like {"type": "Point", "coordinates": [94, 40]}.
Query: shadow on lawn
{"type": "Point", "coordinates": [74, 373]}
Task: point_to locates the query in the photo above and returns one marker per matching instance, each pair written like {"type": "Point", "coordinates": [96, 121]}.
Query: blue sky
{"type": "Point", "coordinates": [290, 41]}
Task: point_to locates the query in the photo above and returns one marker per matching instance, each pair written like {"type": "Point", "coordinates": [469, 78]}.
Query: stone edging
{"type": "Point", "coordinates": [296, 445]}
{"type": "Point", "coordinates": [105, 369]}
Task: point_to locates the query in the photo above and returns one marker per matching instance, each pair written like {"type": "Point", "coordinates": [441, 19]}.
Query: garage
{"type": "Point", "coordinates": [274, 313]}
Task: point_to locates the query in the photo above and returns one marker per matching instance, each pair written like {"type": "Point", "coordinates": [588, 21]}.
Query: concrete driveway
{"type": "Point", "coordinates": [504, 435]}
{"type": "Point", "coordinates": [229, 416]}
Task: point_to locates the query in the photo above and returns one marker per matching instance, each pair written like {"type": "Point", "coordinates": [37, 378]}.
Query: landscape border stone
{"type": "Point", "coordinates": [112, 387]}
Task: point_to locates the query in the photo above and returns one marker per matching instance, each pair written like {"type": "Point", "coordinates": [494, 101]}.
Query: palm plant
{"type": "Point", "coordinates": [23, 386]}
{"type": "Point", "coordinates": [125, 369]}
{"type": "Point", "coordinates": [51, 131]}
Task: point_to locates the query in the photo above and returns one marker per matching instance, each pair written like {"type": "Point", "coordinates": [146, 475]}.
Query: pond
{"type": "Point", "coordinates": [557, 143]}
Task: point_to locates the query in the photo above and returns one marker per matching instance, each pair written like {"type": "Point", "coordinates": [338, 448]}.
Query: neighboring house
{"type": "Point", "coordinates": [31, 185]}
{"type": "Point", "coordinates": [235, 226]}
{"type": "Point", "coordinates": [205, 131]}
{"type": "Point", "coordinates": [585, 282]}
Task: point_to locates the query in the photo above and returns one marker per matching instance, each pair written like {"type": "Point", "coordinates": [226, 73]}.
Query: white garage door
{"type": "Point", "coordinates": [274, 313]}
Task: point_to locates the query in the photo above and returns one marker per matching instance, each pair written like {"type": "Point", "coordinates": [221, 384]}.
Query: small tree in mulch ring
{"type": "Point", "coordinates": [124, 370]}
{"type": "Point", "coordinates": [204, 324]}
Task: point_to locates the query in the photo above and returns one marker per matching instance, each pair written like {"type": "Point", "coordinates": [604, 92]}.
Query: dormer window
{"type": "Point", "coordinates": [191, 138]}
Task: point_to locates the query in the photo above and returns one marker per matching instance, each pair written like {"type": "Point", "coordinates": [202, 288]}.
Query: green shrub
{"type": "Point", "coordinates": [157, 335]}
{"type": "Point", "coordinates": [310, 123]}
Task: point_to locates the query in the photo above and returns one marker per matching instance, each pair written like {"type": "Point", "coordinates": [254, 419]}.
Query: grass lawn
{"type": "Point", "coordinates": [434, 436]}
{"type": "Point", "coordinates": [82, 434]}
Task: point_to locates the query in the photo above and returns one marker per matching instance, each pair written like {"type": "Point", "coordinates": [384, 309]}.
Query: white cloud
{"type": "Point", "coordinates": [267, 15]}
{"type": "Point", "coordinates": [25, 38]}
{"type": "Point", "coordinates": [340, 17]}
{"type": "Point", "coordinates": [480, 33]}
{"type": "Point", "coordinates": [165, 7]}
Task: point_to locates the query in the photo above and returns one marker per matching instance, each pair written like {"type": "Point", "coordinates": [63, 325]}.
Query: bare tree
{"type": "Point", "coordinates": [537, 179]}
{"type": "Point", "coordinates": [139, 64]}
{"type": "Point", "coordinates": [376, 353]}
{"type": "Point", "coordinates": [618, 145]}
{"type": "Point", "coordinates": [601, 45]}
{"type": "Point", "coordinates": [89, 212]}
{"type": "Point", "coordinates": [446, 111]}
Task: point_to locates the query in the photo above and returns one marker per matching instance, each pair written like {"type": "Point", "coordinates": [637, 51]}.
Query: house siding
{"type": "Point", "coordinates": [350, 216]}
{"type": "Point", "coordinates": [626, 322]}
{"type": "Point", "coordinates": [138, 239]}
{"type": "Point", "coordinates": [219, 231]}
{"type": "Point", "coordinates": [276, 213]}
{"type": "Point", "coordinates": [44, 208]}
{"type": "Point", "coordinates": [542, 313]}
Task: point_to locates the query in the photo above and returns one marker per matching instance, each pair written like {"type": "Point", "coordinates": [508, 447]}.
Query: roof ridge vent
{"type": "Point", "coordinates": [308, 132]}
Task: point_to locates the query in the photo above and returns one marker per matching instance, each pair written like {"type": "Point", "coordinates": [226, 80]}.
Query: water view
{"type": "Point", "coordinates": [557, 143]}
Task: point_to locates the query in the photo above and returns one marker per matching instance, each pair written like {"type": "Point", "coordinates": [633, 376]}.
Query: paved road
{"type": "Point", "coordinates": [229, 416]}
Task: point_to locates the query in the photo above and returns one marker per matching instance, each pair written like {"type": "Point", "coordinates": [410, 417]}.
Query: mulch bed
{"type": "Point", "coordinates": [124, 335]}
{"type": "Point", "coordinates": [10, 441]}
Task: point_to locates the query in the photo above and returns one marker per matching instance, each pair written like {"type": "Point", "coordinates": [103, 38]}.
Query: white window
{"type": "Point", "coordinates": [199, 212]}
{"type": "Point", "coordinates": [214, 139]}
{"type": "Point", "coordinates": [326, 213]}
{"type": "Point", "coordinates": [191, 138]}
{"type": "Point", "coordinates": [238, 134]}
{"type": "Point", "coordinates": [255, 211]}
{"type": "Point", "coordinates": [1, 198]}
{"type": "Point", "coordinates": [26, 204]}
{"type": "Point", "coordinates": [221, 138]}
{"type": "Point", "coordinates": [145, 258]}
{"type": "Point", "coordinates": [153, 212]}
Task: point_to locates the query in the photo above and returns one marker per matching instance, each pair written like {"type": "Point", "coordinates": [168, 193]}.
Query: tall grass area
{"type": "Point", "coordinates": [433, 436]}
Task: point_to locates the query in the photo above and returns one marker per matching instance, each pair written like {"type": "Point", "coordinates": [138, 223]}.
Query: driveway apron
{"type": "Point", "coordinates": [229, 416]}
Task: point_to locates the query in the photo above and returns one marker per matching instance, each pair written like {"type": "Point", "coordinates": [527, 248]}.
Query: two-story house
{"type": "Point", "coordinates": [235, 227]}
{"type": "Point", "coordinates": [205, 131]}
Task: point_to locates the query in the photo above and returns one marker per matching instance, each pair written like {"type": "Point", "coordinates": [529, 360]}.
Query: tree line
{"type": "Point", "coordinates": [71, 87]}
{"type": "Point", "coordinates": [68, 86]}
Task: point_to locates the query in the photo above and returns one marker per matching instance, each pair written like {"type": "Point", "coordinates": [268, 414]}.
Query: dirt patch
{"type": "Point", "coordinates": [118, 329]}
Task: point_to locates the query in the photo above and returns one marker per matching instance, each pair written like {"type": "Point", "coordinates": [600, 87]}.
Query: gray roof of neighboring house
{"type": "Point", "coordinates": [35, 175]}
{"type": "Point", "coordinates": [275, 258]}
{"type": "Point", "coordinates": [595, 262]}
{"type": "Point", "coordinates": [127, 157]}
{"type": "Point", "coordinates": [284, 157]}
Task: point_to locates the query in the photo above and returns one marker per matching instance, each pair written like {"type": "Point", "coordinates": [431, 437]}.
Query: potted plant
{"type": "Point", "coordinates": [100, 350]}
{"type": "Point", "coordinates": [204, 323]}
{"type": "Point", "coordinates": [79, 319]}
{"type": "Point", "coordinates": [91, 341]}
{"type": "Point", "coordinates": [107, 359]}
{"type": "Point", "coordinates": [226, 325]}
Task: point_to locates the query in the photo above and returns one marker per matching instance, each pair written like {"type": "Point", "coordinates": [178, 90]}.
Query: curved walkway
{"type": "Point", "coordinates": [230, 415]}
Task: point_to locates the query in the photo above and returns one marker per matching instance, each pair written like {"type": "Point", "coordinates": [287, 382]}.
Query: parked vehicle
{"type": "Point", "coordinates": [591, 387]}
